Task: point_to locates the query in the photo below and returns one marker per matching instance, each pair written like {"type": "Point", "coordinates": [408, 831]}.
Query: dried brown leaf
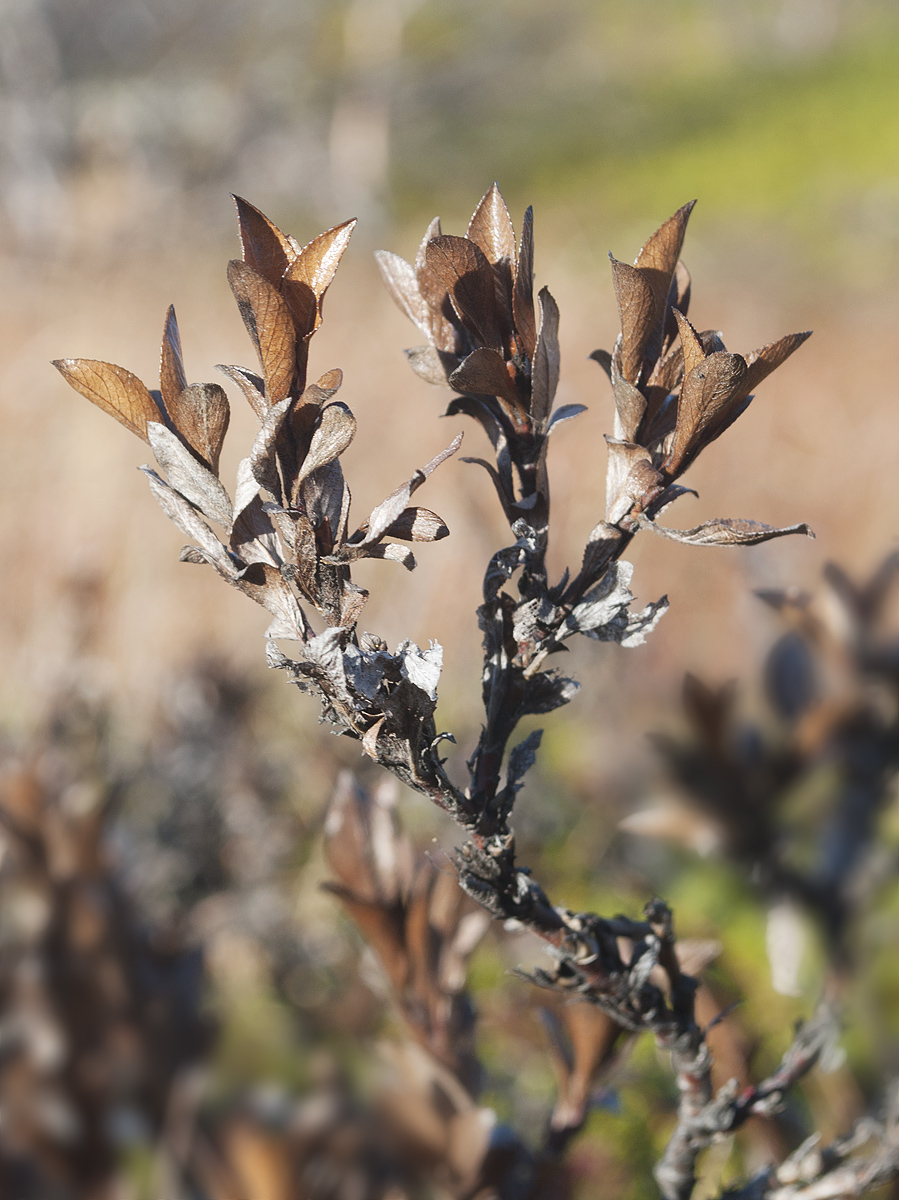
{"type": "Point", "coordinates": [637, 313]}
{"type": "Point", "coordinates": [762, 362]}
{"type": "Point", "coordinates": [630, 403]}
{"type": "Point", "coordinates": [172, 379]}
{"type": "Point", "coordinates": [727, 531]}
{"type": "Point", "coordinates": [490, 228]}
{"type": "Point", "coordinates": [462, 269]}
{"type": "Point", "coordinates": [115, 390]}
{"type": "Point", "coordinates": [691, 345]}
{"type": "Point", "coordinates": [706, 394]}
{"type": "Point", "coordinates": [269, 324]}
{"type": "Point", "coordinates": [265, 248]}
{"type": "Point", "coordinates": [523, 289]}
{"type": "Point", "coordinates": [658, 260]}
{"type": "Point", "coordinates": [317, 263]}
{"type": "Point", "coordinates": [484, 373]}
{"type": "Point", "coordinates": [201, 415]}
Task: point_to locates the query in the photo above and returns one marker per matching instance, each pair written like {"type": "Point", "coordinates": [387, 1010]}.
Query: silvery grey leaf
{"type": "Point", "coordinates": [263, 456]}
{"type": "Point", "coordinates": [185, 516]}
{"type": "Point", "coordinates": [641, 624]}
{"type": "Point", "coordinates": [189, 477]}
{"type": "Point", "coordinates": [325, 655]}
{"type": "Point", "coordinates": [402, 283]}
{"type": "Point", "coordinates": [432, 365]}
{"type": "Point", "coordinates": [630, 404]}
{"type": "Point", "coordinates": [250, 384]}
{"type": "Point", "coordinates": [335, 431]}
{"type": "Point", "coordinates": [623, 456]}
{"type": "Point", "coordinates": [365, 669]}
{"type": "Point", "coordinates": [602, 613]}
{"type": "Point", "coordinates": [422, 667]}
{"type": "Point", "coordinates": [246, 488]}
{"type": "Point", "coordinates": [253, 536]}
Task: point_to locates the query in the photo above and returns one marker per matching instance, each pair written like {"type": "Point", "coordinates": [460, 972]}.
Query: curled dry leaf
{"type": "Point", "coordinates": [728, 531]}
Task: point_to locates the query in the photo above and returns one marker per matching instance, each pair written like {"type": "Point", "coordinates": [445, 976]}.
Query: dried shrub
{"type": "Point", "coordinates": [286, 541]}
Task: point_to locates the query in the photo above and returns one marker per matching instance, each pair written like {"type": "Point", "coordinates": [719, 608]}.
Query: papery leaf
{"type": "Point", "coordinates": [705, 396]}
{"type": "Point", "coordinates": [317, 263]}
{"type": "Point", "coordinates": [253, 537]}
{"type": "Point", "coordinates": [657, 260]}
{"type": "Point", "coordinates": [641, 624]}
{"type": "Point", "coordinates": [432, 365]}
{"type": "Point", "coordinates": [623, 456]}
{"type": "Point", "coordinates": [251, 385]}
{"type": "Point", "coordinates": [335, 431]}
{"type": "Point", "coordinates": [440, 315]}
{"type": "Point", "coordinates": [266, 585]}
{"type": "Point", "coordinates": [322, 496]}
{"type": "Point", "coordinates": [545, 371]}
{"type": "Point", "coordinates": [201, 415]}
{"type": "Point", "coordinates": [490, 228]}
{"type": "Point", "coordinates": [269, 324]}
{"type": "Point", "coordinates": [461, 267]}
{"type": "Point", "coordinates": [727, 531]}
{"type": "Point", "coordinates": [194, 481]}
{"type": "Point", "coordinates": [401, 282]}
{"type": "Point", "coordinates": [265, 248]}
{"type": "Point", "coordinates": [422, 667]}
{"type": "Point", "coordinates": [523, 288]}
{"type": "Point", "coordinates": [691, 346]}
{"type": "Point", "coordinates": [172, 379]}
{"type": "Point", "coordinates": [263, 456]}
{"type": "Point", "coordinates": [309, 276]}
{"type": "Point", "coordinates": [177, 509]}
{"type": "Point", "coordinates": [389, 550]}
{"type": "Point", "coordinates": [637, 313]}
{"type": "Point", "coordinates": [762, 362]}
{"type": "Point", "coordinates": [113, 389]}
{"type": "Point", "coordinates": [393, 507]}
{"type": "Point", "coordinates": [418, 525]}
{"type": "Point", "coordinates": [630, 403]}
{"type": "Point", "coordinates": [484, 373]}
